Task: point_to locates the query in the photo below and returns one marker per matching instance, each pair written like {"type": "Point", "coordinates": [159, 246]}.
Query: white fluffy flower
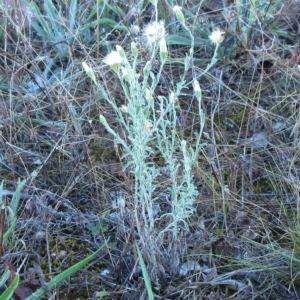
{"type": "Point", "coordinates": [154, 32]}
{"type": "Point", "coordinates": [124, 109]}
{"type": "Point", "coordinates": [177, 9]}
{"type": "Point", "coordinates": [113, 58]}
{"type": "Point", "coordinates": [217, 36]}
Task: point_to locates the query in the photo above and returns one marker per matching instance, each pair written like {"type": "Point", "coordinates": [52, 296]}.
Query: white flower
{"type": "Point", "coordinates": [217, 36]}
{"type": "Point", "coordinates": [177, 9]}
{"type": "Point", "coordinates": [124, 109]}
{"type": "Point", "coordinates": [147, 126]}
{"type": "Point", "coordinates": [154, 32]}
{"type": "Point", "coordinates": [113, 58]}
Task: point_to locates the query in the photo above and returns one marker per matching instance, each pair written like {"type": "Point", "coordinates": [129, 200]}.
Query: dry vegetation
{"type": "Point", "coordinates": [243, 240]}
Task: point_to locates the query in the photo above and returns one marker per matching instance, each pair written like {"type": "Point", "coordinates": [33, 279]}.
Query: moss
{"type": "Point", "coordinates": [103, 153]}
{"type": "Point", "coordinates": [239, 117]}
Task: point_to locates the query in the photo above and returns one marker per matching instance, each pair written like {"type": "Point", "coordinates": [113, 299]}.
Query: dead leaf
{"type": "Point", "coordinates": [21, 291]}
{"type": "Point", "coordinates": [258, 140]}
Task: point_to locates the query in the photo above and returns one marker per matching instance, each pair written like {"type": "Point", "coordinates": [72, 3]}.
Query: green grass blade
{"type": "Point", "coordinates": [64, 275]}
{"type": "Point", "coordinates": [52, 15]}
{"type": "Point", "coordinates": [277, 251]}
{"type": "Point", "coordinates": [4, 277]}
{"type": "Point", "coordinates": [252, 15]}
{"type": "Point", "coordinates": [145, 274]}
{"type": "Point", "coordinates": [72, 15]}
{"type": "Point", "coordinates": [11, 228]}
{"type": "Point", "coordinates": [45, 29]}
{"type": "Point", "coordinates": [40, 30]}
{"type": "Point", "coordinates": [273, 7]}
{"type": "Point", "coordinates": [16, 197]}
{"type": "Point", "coordinates": [174, 39]}
{"type": "Point", "coordinates": [115, 8]}
{"type": "Point", "coordinates": [1, 192]}
{"type": "Point", "coordinates": [10, 290]}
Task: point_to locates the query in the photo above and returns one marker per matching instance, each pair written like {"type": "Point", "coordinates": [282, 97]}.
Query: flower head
{"type": "Point", "coordinates": [124, 109]}
{"type": "Point", "coordinates": [147, 126]}
{"type": "Point", "coordinates": [177, 9]}
{"type": "Point", "coordinates": [114, 60]}
{"type": "Point", "coordinates": [217, 36]}
{"type": "Point", "coordinates": [154, 32]}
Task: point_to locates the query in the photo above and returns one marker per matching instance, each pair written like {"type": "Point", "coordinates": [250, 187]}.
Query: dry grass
{"type": "Point", "coordinates": [244, 237]}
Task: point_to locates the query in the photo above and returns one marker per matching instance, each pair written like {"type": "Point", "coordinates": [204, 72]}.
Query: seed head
{"type": "Point", "coordinates": [217, 36]}
{"type": "Point", "coordinates": [154, 32]}
{"type": "Point", "coordinates": [114, 60]}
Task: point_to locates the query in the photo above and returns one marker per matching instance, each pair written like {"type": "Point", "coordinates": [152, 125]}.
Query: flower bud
{"type": "Point", "coordinates": [121, 51]}
{"type": "Point", "coordinates": [147, 68]}
{"type": "Point", "coordinates": [163, 51]}
{"type": "Point", "coordinates": [134, 50]}
{"type": "Point", "coordinates": [89, 71]}
{"type": "Point", "coordinates": [197, 89]}
{"type": "Point", "coordinates": [102, 120]}
{"type": "Point", "coordinates": [179, 15]}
